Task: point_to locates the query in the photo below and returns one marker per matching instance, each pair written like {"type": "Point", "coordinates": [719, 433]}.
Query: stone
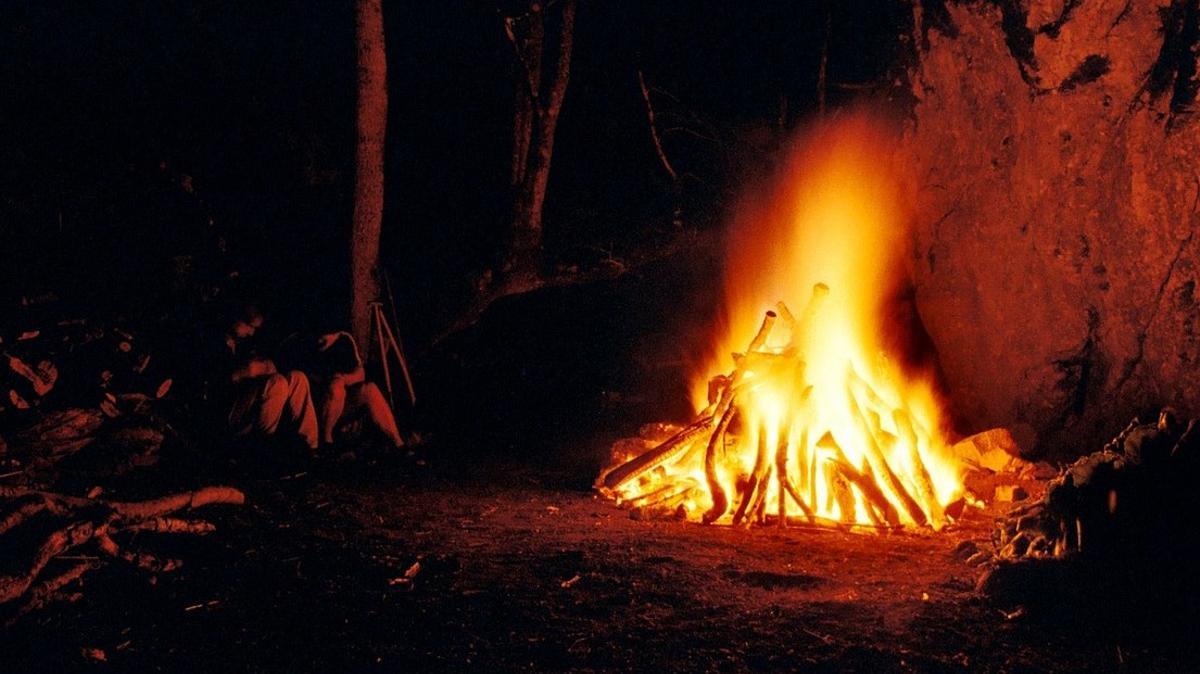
{"type": "Point", "coordinates": [993, 449]}
{"type": "Point", "coordinates": [1010, 493]}
{"type": "Point", "coordinates": [1053, 187]}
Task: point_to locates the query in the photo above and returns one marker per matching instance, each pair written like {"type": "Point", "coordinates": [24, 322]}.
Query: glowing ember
{"type": "Point", "coordinates": [812, 419]}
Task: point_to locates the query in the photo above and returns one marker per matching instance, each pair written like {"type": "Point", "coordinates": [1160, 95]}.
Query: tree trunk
{"type": "Point", "coordinates": [371, 126]}
{"type": "Point", "coordinates": [534, 142]}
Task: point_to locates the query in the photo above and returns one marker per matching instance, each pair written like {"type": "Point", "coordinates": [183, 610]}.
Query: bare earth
{"type": "Point", "coordinates": [311, 576]}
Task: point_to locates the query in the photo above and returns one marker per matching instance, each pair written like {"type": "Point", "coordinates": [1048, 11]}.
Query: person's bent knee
{"type": "Point", "coordinates": [297, 380]}
{"type": "Point", "coordinates": [275, 385]}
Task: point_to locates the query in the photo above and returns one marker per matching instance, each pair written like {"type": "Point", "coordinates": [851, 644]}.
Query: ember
{"type": "Point", "coordinates": [815, 419]}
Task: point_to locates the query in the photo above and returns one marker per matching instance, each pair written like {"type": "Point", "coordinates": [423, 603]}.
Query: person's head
{"type": "Point", "coordinates": [246, 322]}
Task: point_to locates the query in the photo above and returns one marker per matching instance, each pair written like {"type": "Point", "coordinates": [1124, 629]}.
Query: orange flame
{"type": "Point", "coordinates": [825, 420]}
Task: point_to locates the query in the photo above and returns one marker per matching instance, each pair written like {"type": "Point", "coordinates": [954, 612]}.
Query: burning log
{"type": "Point", "coordinates": [720, 502]}
{"type": "Point", "coordinates": [755, 483]}
{"type": "Point", "coordinates": [764, 331]}
{"type": "Point", "coordinates": [865, 484]}
{"type": "Point", "coordinates": [768, 391]}
{"type": "Point", "coordinates": [671, 449]}
{"type": "Point", "coordinates": [920, 472]}
{"type": "Point", "coordinates": [879, 463]}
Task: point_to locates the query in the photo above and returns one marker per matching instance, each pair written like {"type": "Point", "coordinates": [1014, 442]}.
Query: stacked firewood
{"type": "Point", "coordinates": [42, 572]}
{"type": "Point", "coordinates": [83, 404]}
{"type": "Point", "coordinates": [1129, 491]}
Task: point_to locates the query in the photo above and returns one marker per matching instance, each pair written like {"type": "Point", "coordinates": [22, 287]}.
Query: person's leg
{"type": "Point", "coordinates": [368, 396]}
{"type": "Point", "coordinates": [289, 392]}
{"type": "Point", "coordinates": [300, 404]}
{"type": "Point", "coordinates": [332, 407]}
{"type": "Point", "coordinates": [243, 416]}
{"type": "Point", "coordinates": [273, 395]}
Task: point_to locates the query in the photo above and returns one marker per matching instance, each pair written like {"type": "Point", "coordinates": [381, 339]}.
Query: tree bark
{"type": "Point", "coordinates": [371, 124]}
{"type": "Point", "coordinates": [533, 139]}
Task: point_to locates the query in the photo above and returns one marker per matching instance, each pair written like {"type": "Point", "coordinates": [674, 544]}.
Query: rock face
{"type": "Point", "coordinates": [1057, 182]}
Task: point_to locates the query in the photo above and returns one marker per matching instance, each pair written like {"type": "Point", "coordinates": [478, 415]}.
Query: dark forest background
{"type": "Point", "coordinates": [151, 148]}
{"type": "Point", "coordinates": [130, 125]}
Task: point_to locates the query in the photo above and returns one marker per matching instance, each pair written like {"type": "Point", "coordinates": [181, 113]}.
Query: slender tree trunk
{"type": "Point", "coordinates": [368, 179]}
{"type": "Point", "coordinates": [537, 144]}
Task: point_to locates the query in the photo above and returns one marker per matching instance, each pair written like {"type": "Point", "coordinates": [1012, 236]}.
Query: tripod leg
{"type": "Point", "coordinates": [395, 344]}
{"type": "Point", "coordinates": [380, 326]}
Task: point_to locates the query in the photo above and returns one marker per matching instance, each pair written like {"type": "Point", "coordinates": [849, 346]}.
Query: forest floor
{"type": "Point", "coordinates": [521, 569]}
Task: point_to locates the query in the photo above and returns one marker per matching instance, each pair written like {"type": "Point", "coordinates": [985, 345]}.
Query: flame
{"type": "Point", "coordinates": [822, 421]}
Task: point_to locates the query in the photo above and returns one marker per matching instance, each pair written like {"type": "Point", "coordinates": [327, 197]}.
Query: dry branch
{"type": "Point", "coordinates": [141, 560]}
{"type": "Point", "coordinates": [97, 520]}
{"type": "Point", "coordinates": [173, 525]}
{"type": "Point", "coordinates": [12, 587]}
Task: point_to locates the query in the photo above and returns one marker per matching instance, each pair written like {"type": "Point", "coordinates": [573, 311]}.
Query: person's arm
{"type": "Point", "coordinates": [348, 376]}
{"type": "Point", "coordinates": [255, 367]}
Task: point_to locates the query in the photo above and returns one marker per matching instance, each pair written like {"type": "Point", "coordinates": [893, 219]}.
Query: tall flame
{"type": "Point", "coordinates": [822, 416]}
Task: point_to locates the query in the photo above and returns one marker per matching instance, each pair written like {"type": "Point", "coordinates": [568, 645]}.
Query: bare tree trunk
{"type": "Point", "coordinates": [368, 179]}
{"type": "Point", "coordinates": [533, 144]}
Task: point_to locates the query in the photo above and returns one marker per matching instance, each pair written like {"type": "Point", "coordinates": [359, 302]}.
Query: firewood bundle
{"type": "Point", "coordinates": [62, 527]}
{"type": "Point", "coordinates": [870, 470]}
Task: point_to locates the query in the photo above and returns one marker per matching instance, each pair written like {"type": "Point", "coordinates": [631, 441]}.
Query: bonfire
{"type": "Point", "coordinates": [813, 419]}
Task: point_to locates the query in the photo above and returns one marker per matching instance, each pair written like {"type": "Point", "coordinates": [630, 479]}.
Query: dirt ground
{"type": "Point", "coordinates": [520, 569]}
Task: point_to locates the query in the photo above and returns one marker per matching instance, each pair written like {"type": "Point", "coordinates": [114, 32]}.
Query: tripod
{"type": "Point", "coordinates": [381, 329]}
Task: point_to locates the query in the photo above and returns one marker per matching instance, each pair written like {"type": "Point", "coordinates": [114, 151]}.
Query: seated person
{"type": "Point", "coordinates": [343, 392]}
{"type": "Point", "coordinates": [263, 401]}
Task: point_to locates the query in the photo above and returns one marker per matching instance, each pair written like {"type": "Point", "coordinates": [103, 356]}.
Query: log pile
{"type": "Point", "coordinates": [1127, 492]}
{"type": "Point", "coordinates": [69, 536]}
{"type": "Point", "coordinates": [83, 404]}
{"type": "Point", "coordinates": [873, 474]}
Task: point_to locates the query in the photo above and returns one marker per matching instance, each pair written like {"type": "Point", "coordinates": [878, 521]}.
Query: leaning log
{"type": "Point", "coordinates": [920, 473]}
{"type": "Point", "coordinates": [670, 449]}
{"type": "Point", "coordinates": [756, 482]}
{"type": "Point", "coordinates": [879, 462]}
{"type": "Point", "coordinates": [720, 501]}
{"type": "Point", "coordinates": [866, 484]}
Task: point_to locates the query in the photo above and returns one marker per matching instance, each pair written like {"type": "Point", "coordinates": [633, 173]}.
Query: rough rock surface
{"type": "Point", "coordinates": [1057, 182]}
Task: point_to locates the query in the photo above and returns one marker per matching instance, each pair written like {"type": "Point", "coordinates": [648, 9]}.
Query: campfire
{"type": "Point", "coordinates": [814, 416]}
